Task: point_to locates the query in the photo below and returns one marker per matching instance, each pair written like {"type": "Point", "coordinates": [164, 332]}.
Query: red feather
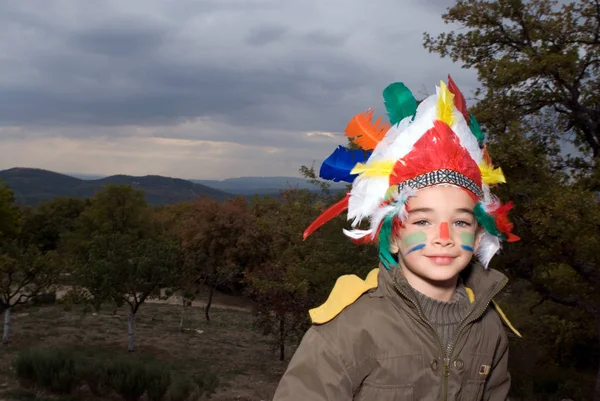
{"type": "Point", "coordinates": [503, 223]}
{"type": "Point", "coordinates": [438, 148]}
{"type": "Point", "coordinates": [459, 100]}
{"type": "Point", "coordinates": [327, 215]}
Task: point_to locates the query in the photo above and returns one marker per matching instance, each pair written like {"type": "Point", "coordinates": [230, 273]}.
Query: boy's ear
{"type": "Point", "coordinates": [394, 245]}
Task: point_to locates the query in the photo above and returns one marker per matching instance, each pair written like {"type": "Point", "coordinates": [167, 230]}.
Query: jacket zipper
{"type": "Point", "coordinates": [439, 340]}
{"type": "Point", "coordinates": [466, 321]}
{"type": "Point", "coordinates": [449, 350]}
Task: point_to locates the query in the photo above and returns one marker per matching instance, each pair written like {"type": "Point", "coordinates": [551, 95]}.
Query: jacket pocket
{"type": "Point", "coordinates": [473, 390]}
{"type": "Point", "coordinates": [380, 392]}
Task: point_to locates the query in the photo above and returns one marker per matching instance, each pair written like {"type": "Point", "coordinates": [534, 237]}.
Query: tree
{"type": "Point", "coordinates": [289, 276]}
{"type": "Point", "coordinates": [274, 280]}
{"type": "Point", "coordinates": [26, 271]}
{"type": "Point", "coordinates": [45, 224]}
{"type": "Point", "coordinates": [213, 237]}
{"type": "Point", "coordinates": [538, 64]}
{"type": "Point", "coordinates": [119, 254]}
{"type": "Point", "coordinates": [9, 214]}
{"type": "Point", "coordinates": [169, 219]}
{"type": "Point", "coordinates": [532, 56]}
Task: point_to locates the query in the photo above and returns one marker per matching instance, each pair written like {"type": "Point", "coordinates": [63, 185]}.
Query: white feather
{"type": "Point", "coordinates": [487, 248]}
{"type": "Point", "coordinates": [366, 195]}
{"type": "Point", "coordinates": [466, 137]}
{"type": "Point", "coordinates": [356, 234]}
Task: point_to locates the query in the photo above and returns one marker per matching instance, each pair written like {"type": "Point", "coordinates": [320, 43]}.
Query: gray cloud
{"type": "Point", "coordinates": [261, 72]}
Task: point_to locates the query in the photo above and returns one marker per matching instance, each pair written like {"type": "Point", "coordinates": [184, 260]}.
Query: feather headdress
{"type": "Point", "coordinates": [438, 142]}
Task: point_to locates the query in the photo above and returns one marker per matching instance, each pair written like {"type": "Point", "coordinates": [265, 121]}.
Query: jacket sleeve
{"type": "Point", "coordinates": [498, 383]}
{"type": "Point", "coordinates": [316, 372]}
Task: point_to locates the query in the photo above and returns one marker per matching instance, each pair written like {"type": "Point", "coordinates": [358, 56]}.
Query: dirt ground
{"type": "Point", "coordinates": [245, 361]}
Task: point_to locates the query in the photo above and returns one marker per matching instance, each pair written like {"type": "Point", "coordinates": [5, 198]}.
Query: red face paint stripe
{"type": "Point", "coordinates": [444, 231]}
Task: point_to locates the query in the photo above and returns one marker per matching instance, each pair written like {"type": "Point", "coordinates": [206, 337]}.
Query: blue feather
{"type": "Point", "coordinates": [338, 165]}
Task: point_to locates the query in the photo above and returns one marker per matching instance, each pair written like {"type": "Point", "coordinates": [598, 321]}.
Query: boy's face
{"type": "Point", "coordinates": [437, 240]}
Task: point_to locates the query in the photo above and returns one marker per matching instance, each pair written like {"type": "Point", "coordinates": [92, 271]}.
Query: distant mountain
{"type": "Point", "coordinates": [32, 186]}
{"type": "Point", "coordinates": [261, 185]}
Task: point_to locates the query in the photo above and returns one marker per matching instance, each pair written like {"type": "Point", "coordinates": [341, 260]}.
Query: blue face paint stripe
{"type": "Point", "coordinates": [467, 248]}
{"type": "Point", "coordinates": [416, 248]}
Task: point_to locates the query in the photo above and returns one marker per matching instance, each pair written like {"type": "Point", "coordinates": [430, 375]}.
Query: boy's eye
{"type": "Point", "coordinates": [462, 223]}
{"type": "Point", "coordinates": [421, 222]}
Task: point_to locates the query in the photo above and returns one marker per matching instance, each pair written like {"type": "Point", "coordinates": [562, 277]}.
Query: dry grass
{"type": "Point", "coordinates": [245, 361]}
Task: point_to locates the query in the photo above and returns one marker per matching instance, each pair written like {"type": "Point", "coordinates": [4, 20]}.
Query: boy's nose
{"type": "Point", "coordinates": [444, 235]}
{"type": "Point", "coordinates": [444, 232]}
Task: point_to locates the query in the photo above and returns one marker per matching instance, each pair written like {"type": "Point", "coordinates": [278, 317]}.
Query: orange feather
{"type": "Point", "coordinates": [364, 132]}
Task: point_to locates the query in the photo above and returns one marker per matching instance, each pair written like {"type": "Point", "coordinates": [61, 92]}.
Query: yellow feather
{"type": "Point", "coordinates": [445, 105]}
{"type": "Point", "coordinates": [382, 168]}
{"type": "Point", "coordinates": [490, 175]}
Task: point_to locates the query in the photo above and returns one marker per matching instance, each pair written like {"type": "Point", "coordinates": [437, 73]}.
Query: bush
{"type": "Point", "coordinates": [61, 371]}
{"type": "Point", "coordinates": [49, 369]}
{"type": "Point", "coordinates": [93, 374]}
{"type": "Point", "coordinates": [159, 380]}
{"type": "Point", "coordinates": [128, 378]}
{"type": "Point", "coordinates": [24, 366]}
{"type": "Point", "coordinates": [180, 390]}
{"type": "Point", "coordinates": [207, 383]}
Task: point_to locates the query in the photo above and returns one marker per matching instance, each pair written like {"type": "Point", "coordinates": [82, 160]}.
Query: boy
{"type": "Point", "coordinates": [423, 326]}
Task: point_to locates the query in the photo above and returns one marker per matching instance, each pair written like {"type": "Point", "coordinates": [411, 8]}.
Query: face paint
{"type": "Point", "coordinates": [444, 231]}
{"type": "Point", "coordinates": [415, 241]}
{"type": "Point", "coordinates": [467, 239]}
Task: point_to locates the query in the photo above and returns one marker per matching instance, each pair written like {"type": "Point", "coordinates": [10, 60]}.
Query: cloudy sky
{"type": "Point", "coordinates": [203, 88]}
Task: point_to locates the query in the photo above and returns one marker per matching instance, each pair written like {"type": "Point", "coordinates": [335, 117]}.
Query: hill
{"type": "Point", "coordinates": [32, 186]}
{"type": "Point", "coordinates": [262, 185]}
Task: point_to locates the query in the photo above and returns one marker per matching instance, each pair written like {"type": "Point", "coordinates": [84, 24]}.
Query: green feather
{"type": "Point", "coordinates": [476, 130]}
{"type": "Point", "coordinates": [385, 236]}
{"type": "Point", "coordinates": [399, 102]}
{"type": "Point", "coordinates": [487, 221]}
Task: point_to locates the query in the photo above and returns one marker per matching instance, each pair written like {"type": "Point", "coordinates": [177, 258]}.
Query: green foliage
{"type": "Point", "coordinates": [159, 381]}
{"type": "Point", "coordinates": [185, 389]}
{"type": "Point", "coordinates": [62, 371]}
{"type": "Point", "coordinates": [52, 370]}
{"type": "Point", "coordinates": [215, 241]}
{"type": "Point", "coordinates": [128, 378]}
{"type": "Point", "coordinates": [533, 56]}
{"type": "Point", "coordinates": [117, 251]}
{"type": "Point", "coordinates": [9, 214]}
{"type": "Point", "coordinates": [44, 225]}
{"type": "Point", "coordinates": [290, 276]}
{"type": "Point", "coordinates": [180, 390]}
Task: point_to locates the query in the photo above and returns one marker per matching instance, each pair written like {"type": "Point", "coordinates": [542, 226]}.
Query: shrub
{"type": "Point", "coordinates": [24, 366]}
{"type": "Point", "coordinates": [94, 375]}
{"type": "Point", "coordinates": [207, 383]}
{"type": "Point", "coordinates": [159, 380]}
{"type": "Point", "coordinates": [128, 378]}
{"type": "Point", "coordinates": [180, 390]}
{"type": "Point", "coordinates": [49, 369]}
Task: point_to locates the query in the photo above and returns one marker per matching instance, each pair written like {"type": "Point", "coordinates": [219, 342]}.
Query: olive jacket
{"type": "Point", "coordinates": [371, 341]}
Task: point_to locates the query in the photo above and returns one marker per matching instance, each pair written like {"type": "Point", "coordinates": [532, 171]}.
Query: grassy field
{"type": "Point", "coordinates": [245, 362]}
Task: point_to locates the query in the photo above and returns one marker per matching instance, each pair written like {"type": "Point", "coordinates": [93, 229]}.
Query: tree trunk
{"type": "Point", "coordinates": [597, 387]}
{"type": "Point", "coordinates": [131, 321]}
{"type": "Point", "coordinates": [209, 302]}
{"type": "Point", "coordinates": [183, 301]}
{"type": "Point", "coordinates": [282, 338]}
{"type": "Point", "coordinates": [6, 326]}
